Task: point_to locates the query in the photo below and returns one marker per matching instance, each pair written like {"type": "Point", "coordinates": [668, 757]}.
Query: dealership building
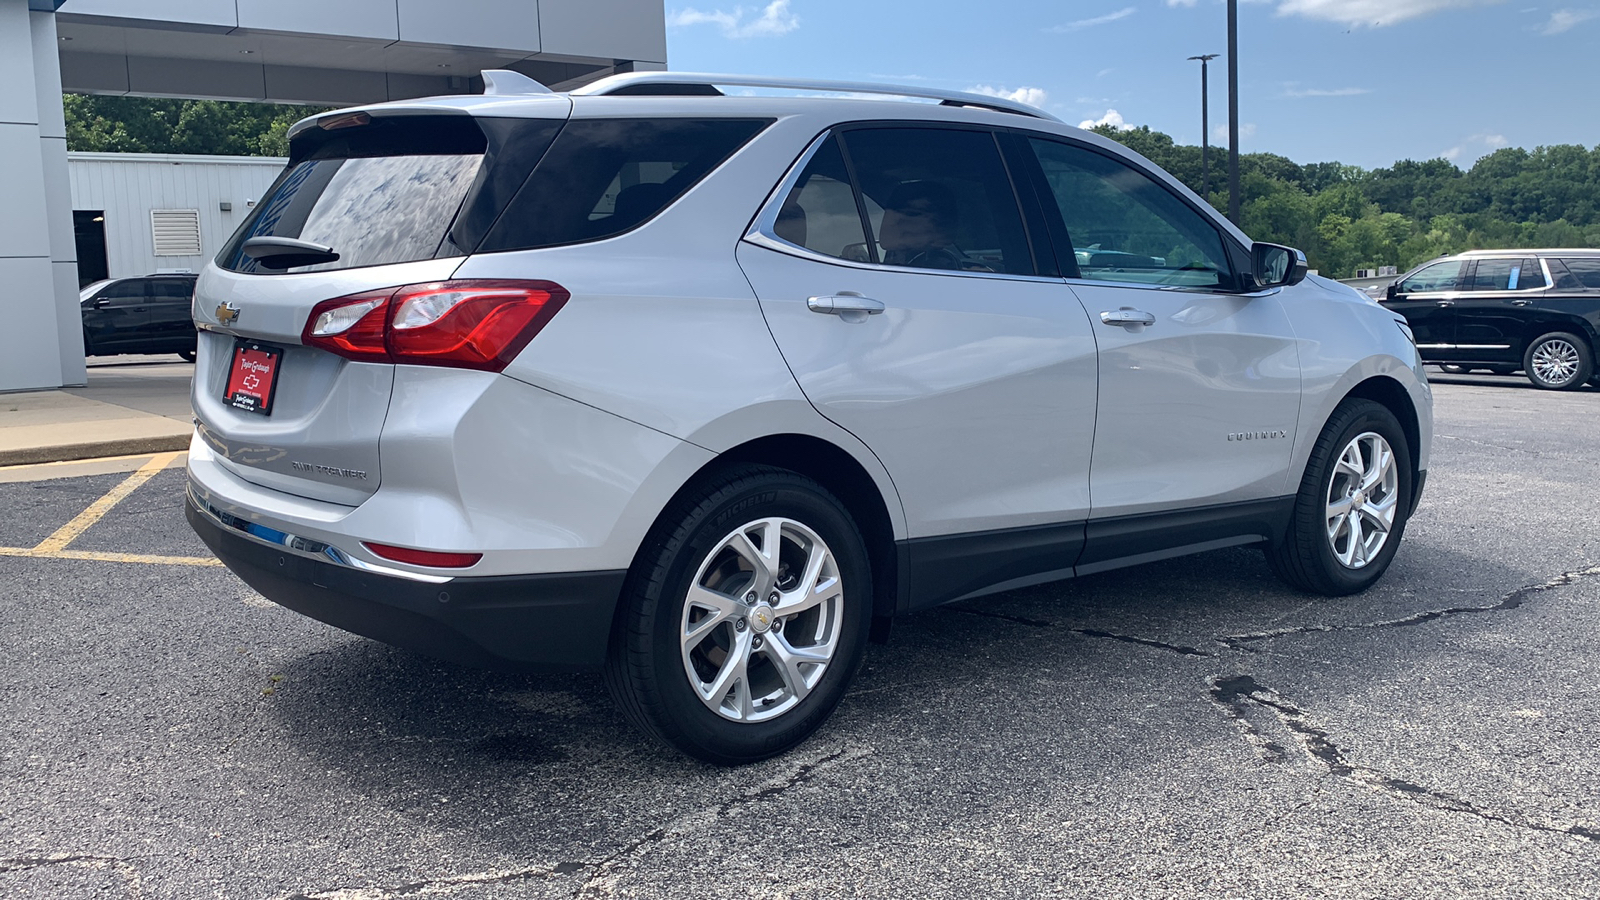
{"type": "Point", "coordinates": [283, 51]}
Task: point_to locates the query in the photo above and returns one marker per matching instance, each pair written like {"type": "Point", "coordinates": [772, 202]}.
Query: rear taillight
{"type": "Point", "coordinates": [468, 323]}
{"type": "Point", "coordinates": [431, 558]}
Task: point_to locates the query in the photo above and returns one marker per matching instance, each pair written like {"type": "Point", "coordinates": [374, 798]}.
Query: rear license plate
{"type": "Point", "coordinates": [253, 377]}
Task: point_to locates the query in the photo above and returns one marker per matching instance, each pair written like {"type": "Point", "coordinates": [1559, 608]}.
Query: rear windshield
{"type": "Point", "coordinates": [386, 192]}
{"type": "Point", "coordinates": [602, 177]}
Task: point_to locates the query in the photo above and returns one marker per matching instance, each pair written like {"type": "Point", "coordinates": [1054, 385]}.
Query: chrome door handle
{"type": "Point", "coordinates": [1127, 316]}
{"type": "Point", "coordinates": [1445, 303]}
{"type": "Point", "coordinates": [1522, 303]}
{"type": "Point", "coordinates": [847, 305]}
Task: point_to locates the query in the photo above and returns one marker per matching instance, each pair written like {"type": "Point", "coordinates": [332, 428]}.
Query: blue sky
{"type": "Point", "coordinates": [1359, 81]}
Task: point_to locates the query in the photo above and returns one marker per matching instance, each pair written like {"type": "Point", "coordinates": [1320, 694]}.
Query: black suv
{"type": "Point", "coordinates": [149, 314]}
{"type": "Point", "coordinates": [1505, 310]}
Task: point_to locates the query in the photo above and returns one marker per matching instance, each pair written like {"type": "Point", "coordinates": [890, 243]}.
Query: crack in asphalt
{"type": "Point", "coordinates": [1236, 694]}
{"type": "Point", "coordinates": [1088, 632]}
{"type": "Point", "coordinates": [122, 865]}
{"type": "Point", "coordinates": [1510, 601]}
{"type": "Point", "coordinates": [598, 870]}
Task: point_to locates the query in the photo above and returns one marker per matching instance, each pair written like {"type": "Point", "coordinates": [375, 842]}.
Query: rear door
{"type": "Point", "coordinates": [907, 302]}
{"type": "Point", "coordinates": [1427, 298]}
{"type": "Point", "coordinates": [171, 326]}
{"type": "Point", "coordinates": [401, 200]}
{"type": "Point", "coordinates": [1502, 297]}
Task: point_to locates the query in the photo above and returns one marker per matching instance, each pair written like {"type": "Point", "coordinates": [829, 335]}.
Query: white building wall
{"type": "Point", "coordinates": [127, 186]}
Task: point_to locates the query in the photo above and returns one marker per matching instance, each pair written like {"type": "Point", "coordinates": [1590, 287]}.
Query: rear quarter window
{"type": "Point", "coordinates": [602, 177]}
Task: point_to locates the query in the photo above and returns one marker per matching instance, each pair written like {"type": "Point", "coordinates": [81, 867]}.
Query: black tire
{"type": "Point", "coordinates": [1502, 370]}
{"type": "Point", "coordinates": [647, 669]}
{"type": "Point", "coordinates": [1454, 370]}
{"type": "Point", "coordinates": [188, 355]}
{"type": "Point", "coordinates": [1305, 557]}
{"type": "Point", "coordinates": [1570, 347]}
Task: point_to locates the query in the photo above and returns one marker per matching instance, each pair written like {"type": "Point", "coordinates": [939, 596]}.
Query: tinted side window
{"type": "Point", "coordinates": [1125, 226]}
{"type": "Point", "coordinates": [1585, 271]}
{"type": "Point", "coordinates": [123, 292]}
{"type": "Point", "coordinates": [602, 177]}
{"type": "Point", "coordinates": [172, 290]}
{"type": "Point", "coordinates": [1507, 275]}
{"type": "Point", "coordinates": [820, 213]}
{"type": "Point", "coordinates": [1441, 276]}
{"type": "Point", "coordinates": [938, 198]}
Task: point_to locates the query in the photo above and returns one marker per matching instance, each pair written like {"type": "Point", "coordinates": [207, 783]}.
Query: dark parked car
{"type": "Point", "coordinates": [149, 314]}
{"type": "Point", "coordinates": [1537, 311]}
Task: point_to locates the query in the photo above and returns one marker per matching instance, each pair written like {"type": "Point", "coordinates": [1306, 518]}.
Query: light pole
{"type": "Point", "coordinates": [1233, 111]}
{"type": "Point", "coordinates": [1205, 124]}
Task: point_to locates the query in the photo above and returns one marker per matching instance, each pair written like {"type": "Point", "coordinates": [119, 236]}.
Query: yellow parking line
{"type": "Point", "coordinates": [92, 556]}
{"type": "Point", "coordinates": [80, 523]}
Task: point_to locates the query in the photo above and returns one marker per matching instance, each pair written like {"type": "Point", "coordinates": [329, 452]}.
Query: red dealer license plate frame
{"type": "Point", "coordinates": [257, 361]}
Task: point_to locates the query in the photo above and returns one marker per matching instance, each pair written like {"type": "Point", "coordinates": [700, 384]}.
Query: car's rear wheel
{"type": "Point", "coordinates": [1352, 506]}
{"type": "Point", "coordinates": [1454, 370]}
{"type": "Point", "coordinates": [744, 617]}
{"type": "Point", "coordinates": [188, 355]}
{"type": "Point", "coordinates": [1558, 362]}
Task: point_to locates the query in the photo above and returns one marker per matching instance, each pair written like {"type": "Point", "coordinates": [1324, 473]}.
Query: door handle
{"type": "Point", "coordinates": [1127, 316]}
{"type": "Point", "coordinates": [847, 305]}
{"type": "Point", "coordinates": [1522, 303]}
{"type": "Point", "coordinates": [1445, 303]}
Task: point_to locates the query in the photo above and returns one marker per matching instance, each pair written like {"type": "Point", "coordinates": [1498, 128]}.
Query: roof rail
{"type": "Point", "coordinates": [698, 80]}
{"type": "Point", "coordinates": [505, 81]}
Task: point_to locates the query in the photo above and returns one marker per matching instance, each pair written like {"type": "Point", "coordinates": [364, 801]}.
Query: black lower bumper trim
{"type": "Point", "coordinates": [528, 622]}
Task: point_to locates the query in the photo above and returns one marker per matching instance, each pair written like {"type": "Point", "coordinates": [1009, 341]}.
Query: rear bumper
{"type": "Point", "coordinates": [553, 622]}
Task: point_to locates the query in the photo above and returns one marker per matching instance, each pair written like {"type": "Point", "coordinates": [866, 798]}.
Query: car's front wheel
{"type": "Point", "coordinates": [744, 617]}
{"type": "Point", "coordinates": [1352, 506]}
{"type": "Point", "coordinates": [1558, 362]}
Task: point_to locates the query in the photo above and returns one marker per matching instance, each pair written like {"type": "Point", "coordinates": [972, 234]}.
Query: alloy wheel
{"type": "Point", "coordinates": [1363, 498]}
{"type": "Point", "coordinates": [762, 620]}
{"type": "Point", "coordinates": [1555, 361]}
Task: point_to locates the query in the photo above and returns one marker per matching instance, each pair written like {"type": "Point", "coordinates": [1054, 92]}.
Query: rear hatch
{"type": "Point", "coordinates": [293, 383]}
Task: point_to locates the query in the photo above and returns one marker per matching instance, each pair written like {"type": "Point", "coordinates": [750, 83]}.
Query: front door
{"type": "Point", "coordinates": [905, 300]}
{"type": "Point", "coordinates": [1427, 298]}
{"type": "Point", "coordinates": [1199, 384]}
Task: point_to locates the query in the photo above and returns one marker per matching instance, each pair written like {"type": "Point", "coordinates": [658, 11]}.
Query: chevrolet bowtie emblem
{"type": "Point", "coordinates": [227, 313]}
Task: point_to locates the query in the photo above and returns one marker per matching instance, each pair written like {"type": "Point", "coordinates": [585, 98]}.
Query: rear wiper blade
{"type": "Point", "coordinates": [285, 253]}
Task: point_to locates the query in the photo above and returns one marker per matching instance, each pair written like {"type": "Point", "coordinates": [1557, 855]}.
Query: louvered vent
{"type": "Point", "coordinates": [176, 231]}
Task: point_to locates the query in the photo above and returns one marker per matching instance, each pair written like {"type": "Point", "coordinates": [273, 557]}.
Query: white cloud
{"type": "Point", "coordinates": [1030, 95]}
{"type": "Point", "coordinates": [1564, 19]}
{"type": "Point", "coordinates": [1112, 118]}
{"type": "Point", "coordinates": [1180, 2]}
{"type": "Point", "coordinates": [1375, 13]}
{"type": "Point", "coordinates": [1319, 92]}
{"type": "Point", "coordinates": [1219, 134]}
{"type": "Point", "coordinates": [1478, 145]}
{"type": "Point", "coordinates": [1090, 23]}
{"type": "Point", "coordinates": [774, 19]}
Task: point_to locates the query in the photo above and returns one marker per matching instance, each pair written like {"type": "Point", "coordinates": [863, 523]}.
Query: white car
{"type": "Point", "coordinates": [700, 391]}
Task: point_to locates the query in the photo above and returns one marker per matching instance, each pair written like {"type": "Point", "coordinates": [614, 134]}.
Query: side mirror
{"type": "Point", "coordinates": [1393, 290]}
{"type": "Point", "coordinates": [1278, 266]}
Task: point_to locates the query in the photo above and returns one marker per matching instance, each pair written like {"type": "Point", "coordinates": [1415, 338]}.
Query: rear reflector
{"type": "Point", "coordinates": [466, 323]}
{"type": "Point", "coordinates": [424, 557]}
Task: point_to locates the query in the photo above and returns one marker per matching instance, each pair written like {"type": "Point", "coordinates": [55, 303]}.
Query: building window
{"type": "Point", "coordinates": [175, 232]}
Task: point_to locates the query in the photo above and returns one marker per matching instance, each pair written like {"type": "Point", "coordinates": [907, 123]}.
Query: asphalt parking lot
{"type": "Point", "coordinates": [1186, 729]}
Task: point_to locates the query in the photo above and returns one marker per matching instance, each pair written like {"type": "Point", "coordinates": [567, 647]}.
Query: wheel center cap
{"type": "Point", "coordinates": [761, 618]}
{"type": "Point", "coordinates": [1358, 499]}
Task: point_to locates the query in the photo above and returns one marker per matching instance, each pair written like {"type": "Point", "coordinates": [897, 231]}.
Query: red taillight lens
{"type": "Point", "coordinates": [353, 326]}
{"type": "Point", "coordinates": [470, 324]}
{"type": "Point", "coordinates": [466, 323]}
{"type": "Point", "coordinates": [429, 558]}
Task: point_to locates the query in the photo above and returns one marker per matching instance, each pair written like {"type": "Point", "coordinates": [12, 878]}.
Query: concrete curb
{"type": "Point", "coordinates": [27, 456]}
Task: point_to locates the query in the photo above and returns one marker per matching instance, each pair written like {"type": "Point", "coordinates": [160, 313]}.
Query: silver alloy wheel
{"type": "Point", "coordinates": [762, 620]}
{"type": "Point", "coordinates": [1363, 498]}
{"type": "Point", "coordinates": [1555, 361]}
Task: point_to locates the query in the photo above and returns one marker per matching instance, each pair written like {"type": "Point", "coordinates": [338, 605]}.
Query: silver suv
{"type": "Point", "coordinates": [701, 391]}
